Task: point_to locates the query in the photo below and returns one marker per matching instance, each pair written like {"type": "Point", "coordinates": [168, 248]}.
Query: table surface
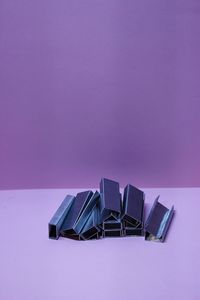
{"type": "Point", "coordinates": [35, 267]}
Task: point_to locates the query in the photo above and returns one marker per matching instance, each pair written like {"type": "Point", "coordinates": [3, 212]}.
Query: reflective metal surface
{"type": "Point", "coordinates": [91, 228]}
{"type": "Point", "coordinates": [71, 224]}
{"type": "Point", "coordinates": [132, 210]}
{"type": "Point", "coordinates": [110, 200]}
{"type": "Point", "coordinates": [59, 217]}
{"type": "Point", "coordinates": [95, 215]}
{"type": "Point", "coordinates": [158, 222]}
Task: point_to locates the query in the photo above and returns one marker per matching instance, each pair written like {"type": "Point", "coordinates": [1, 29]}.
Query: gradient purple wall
{"type": "Point", "coordinates": [99, 88]}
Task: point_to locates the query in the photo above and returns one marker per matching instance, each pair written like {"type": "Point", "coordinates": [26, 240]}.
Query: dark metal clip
{"type": "Point", "coordinates": [158, 222]}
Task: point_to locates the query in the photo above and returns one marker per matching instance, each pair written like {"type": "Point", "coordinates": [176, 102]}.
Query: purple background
{"type": "Point", "coordinates": [99, 88]}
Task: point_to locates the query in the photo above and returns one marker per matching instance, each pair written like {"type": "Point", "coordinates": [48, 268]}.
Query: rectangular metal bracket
{"type": "Point", "coordinates": [71, 223]}
{"type": "Point", "coordinates": [112, 233]}
{"type": "Point", "coordinates": [158, 222]}
{"type": "Point", "coordinates": [111, 203]}
{"type": "Point", "coordinates": [133, 210]}
{"type": "Point", "coordinates": [59, 216]}
{"type": "Point", "coordinates": [91, 229]}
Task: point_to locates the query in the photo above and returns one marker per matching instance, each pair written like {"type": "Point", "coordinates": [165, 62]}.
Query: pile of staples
{"type": "Point", "coordinates": [97, 215]}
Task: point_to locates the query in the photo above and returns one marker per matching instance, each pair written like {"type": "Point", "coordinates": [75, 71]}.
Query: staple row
{"type": "Point", "coordinates": [95, 215]}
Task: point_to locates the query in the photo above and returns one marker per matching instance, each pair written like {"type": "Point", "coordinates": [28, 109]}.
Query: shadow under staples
{"type": "Point", "coordinates": [133, 211]}
{"type": "Point", "coordinates": [80, 202]}
{"type": "Point", "coordinates": [158, 222]}
{"type": "Point", "coordinates": [57, 220]}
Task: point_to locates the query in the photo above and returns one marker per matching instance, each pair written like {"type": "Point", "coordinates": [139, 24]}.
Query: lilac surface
{"type": "Point", "coordinates": [99, 88]}
{"type": "Point", "coordinates": [34, 267]}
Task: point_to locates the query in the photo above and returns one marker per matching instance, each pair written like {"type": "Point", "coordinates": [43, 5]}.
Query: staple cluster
{"type": "Point", "coordinates": [95, 215]}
